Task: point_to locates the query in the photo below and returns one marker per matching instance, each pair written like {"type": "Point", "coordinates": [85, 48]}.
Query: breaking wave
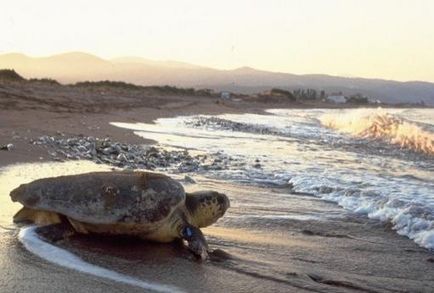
{"type": "Point", "coordinates": [379, 124]}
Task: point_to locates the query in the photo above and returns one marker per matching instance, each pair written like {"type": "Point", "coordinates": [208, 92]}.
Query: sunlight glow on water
{"type": "Point", "coordinates": [379, 124]}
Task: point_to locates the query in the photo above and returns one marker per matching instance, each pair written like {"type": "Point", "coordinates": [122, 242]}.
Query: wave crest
{"type": "Point", "coordinates": [379, 124]}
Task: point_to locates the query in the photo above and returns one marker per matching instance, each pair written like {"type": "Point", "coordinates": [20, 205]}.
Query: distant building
{"type": "Point", "coordinates": [225, 95]}
{"type": "Point", "coordinates": [337, 99]}
{"type": "Point", "coordinates": [374, 101]}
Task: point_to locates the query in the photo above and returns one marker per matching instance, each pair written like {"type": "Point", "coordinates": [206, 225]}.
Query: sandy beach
{"type": "Point", "coordinates": [354, 254]}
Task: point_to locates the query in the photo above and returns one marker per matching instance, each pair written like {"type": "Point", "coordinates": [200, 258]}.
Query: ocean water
{"type": "Point", "coordinates": [374, 163]}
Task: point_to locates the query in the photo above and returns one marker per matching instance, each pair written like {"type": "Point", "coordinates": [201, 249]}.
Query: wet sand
{"type": "Point", "coordinates": [252, 254]}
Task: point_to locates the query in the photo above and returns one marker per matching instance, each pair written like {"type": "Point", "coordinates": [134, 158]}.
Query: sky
{"type": "Point", "coordinates": [389, 39]}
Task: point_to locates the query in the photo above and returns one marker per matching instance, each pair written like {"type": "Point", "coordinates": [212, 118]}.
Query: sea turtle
{"type": "Point", "coordinates": [149, 205]}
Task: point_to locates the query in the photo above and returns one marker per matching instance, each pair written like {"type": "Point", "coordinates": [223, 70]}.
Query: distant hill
{"type": "Point", "coordinates": [77, 66]}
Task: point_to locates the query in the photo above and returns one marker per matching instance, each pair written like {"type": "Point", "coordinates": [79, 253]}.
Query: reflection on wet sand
{"type": "Point", "coordinates": [261, 238]}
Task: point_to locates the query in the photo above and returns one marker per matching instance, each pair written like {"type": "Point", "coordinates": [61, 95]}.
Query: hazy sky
{"type": "Point", "coordinates": [390, 39]}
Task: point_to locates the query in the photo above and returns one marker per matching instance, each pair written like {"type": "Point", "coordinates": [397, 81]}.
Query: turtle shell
{"type": "Point", "coordinates": [105, 197]}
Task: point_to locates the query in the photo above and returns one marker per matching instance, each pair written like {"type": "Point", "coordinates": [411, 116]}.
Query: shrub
{"type": "Point", "coordinates": [284, 93]}
{"type": "Point", "coordinates": [107, 83]}
{"type": "Point", "coordinates": [10, 75]}
{"type": "Point", "coordinates": [45, 80]}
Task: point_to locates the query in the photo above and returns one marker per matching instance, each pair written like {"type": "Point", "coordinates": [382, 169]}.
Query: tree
{"type": "Point", "coordinates": [322, 95]}
{"type": "Point", "coordinates": [284, 93]}
{"type": "Point", "coordinates": [358, 99]}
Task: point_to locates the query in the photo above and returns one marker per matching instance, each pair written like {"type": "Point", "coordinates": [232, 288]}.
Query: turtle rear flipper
{"type": "Point", "coordinates": [27, 215]}
{"type": "Point", "coordinates": [56, 232]}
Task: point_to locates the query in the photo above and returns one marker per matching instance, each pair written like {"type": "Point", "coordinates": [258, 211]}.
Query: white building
{"type": "Point", "coordinates": [337, 99]}
{"type": "Point", "coordinates": [225, 95]}
{"type": "Point", "coordinates": [374, 101]}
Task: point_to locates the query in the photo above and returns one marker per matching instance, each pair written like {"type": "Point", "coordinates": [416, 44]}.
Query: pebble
{"type": "Point", "coordinates": [121, 157]}
{"type": "Point", "coordinates": [188, 179]}
{"type": "Point", "coordinates": [131, 156]}
{"type": "Point", "coordinates": [127, 156]}
{"type": "Point", "coordinates": [7, 147]}
{"type": "Point", "coordinates": [224, 124]}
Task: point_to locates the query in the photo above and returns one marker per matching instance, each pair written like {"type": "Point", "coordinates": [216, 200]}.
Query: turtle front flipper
{"type": "Point", "coordinates": [38, 217]}
{"type": "Point", "coordinates": [196, 241]}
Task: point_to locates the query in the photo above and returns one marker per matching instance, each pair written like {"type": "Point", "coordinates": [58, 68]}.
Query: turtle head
{"type": "Point", "coordinates": [206, 207]}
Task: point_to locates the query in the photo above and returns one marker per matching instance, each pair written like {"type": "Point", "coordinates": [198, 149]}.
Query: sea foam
{"type": "Point", "coordinates": [380, 124]}
{"type": "Point", "coordinates": [408, 217]}
{"type": "Point", "coordinates": [56, 255]}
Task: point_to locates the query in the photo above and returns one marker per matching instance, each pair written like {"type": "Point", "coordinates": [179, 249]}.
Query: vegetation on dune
{"type": "Point", "coordinates": [167, 90]}
{"type": "Point", "coordinates": [108, 83]}
{"type": "Point", "coordinates": [10, 75]}
{"type": "Point", "coordinates": [173, 90]}
{"type": "Point", "coordinates": [45, 80]}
